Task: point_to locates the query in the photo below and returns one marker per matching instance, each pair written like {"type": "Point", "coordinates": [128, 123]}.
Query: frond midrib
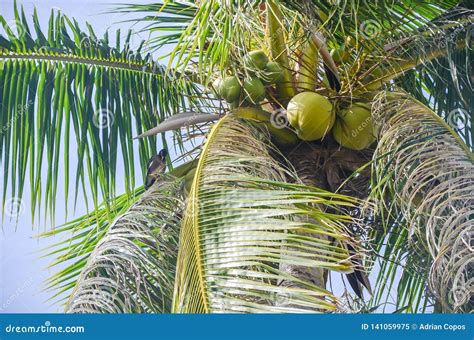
{"type": "Point", "coordinates": [195, 192]}
{"type": "Point", "coordinates": [73, 59]}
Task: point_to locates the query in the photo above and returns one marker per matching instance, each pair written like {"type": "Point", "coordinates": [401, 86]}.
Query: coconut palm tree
{"type": "Point", "coordinates": [323, 143]}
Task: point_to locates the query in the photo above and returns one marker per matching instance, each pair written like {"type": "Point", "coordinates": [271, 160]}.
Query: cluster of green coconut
{"type": "Point", "coordinates": [310, 114]}
{"type": "Point", "coordinates": [251, 88]}
{"type": "Point", "coordinates": [313, 117]}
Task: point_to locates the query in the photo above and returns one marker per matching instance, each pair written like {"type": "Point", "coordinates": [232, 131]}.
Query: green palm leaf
{"type": "Point", "coordinates": [244, 223]}
{"type": "Point", "coordinates": [132, 268]}
{"type": "Point", "coordinates": [227, 24]}
{"type": "Point", "coordinates": [445, 84]}
{"type": "Point", "coordinates": [80, 237]}
{"type": "Point", "coordinates": [63, 86]}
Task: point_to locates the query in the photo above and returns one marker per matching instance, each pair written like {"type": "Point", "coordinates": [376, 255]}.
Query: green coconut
{"type": "Point", "coordinates": [217, 86]}
{"type": "Point", "coordinates": [353, 128]}
{"type": "Point", "coordinates": [254, 89]}
{"type": "Point", "coordinates": [273, 73]}
{"type": "Point", "coordinates": [311, 115]}
{"type": "Point", "coordinates": [256, 60]}
{"type": "Point", "coordinates": [230, 89]}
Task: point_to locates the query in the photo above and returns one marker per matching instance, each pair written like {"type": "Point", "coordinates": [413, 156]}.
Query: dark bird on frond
{"type": "Point", "coordinates": [156, 166]}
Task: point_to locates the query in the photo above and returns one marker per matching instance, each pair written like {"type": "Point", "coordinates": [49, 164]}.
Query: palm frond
{"type": "Point", "coordinates": [80, 237]}
{"type": "Point", "coordinates": [63, 87]}
{"type": "Point", "coordinates": [178, 121]}
{"type": "Point", "coordinates": [445, 84]}
{"type": "Point", "coordinates": [385, 16]}
{"type": "Point", "coordinates": [205, 33]}
{"type": "Point", "coordinates": [423, 184]}
{"type": "Point", "coordinates": [387, 39]}
{"type": "Point", "coordinates": [244, 223]}
{"type": "Point", "coordinates": [421, 48]}
{"type": "Point", "coordinates": [132, 268]}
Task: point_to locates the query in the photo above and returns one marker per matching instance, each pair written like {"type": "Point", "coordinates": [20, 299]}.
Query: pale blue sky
{"type": "Point", "coordinates": [22, 272]}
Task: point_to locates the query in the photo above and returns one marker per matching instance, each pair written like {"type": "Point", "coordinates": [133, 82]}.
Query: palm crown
{"type": "Point", "coordinates": [280, 194]}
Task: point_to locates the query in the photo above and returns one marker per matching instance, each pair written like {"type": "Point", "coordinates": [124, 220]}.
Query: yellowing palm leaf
{"type": "Point", "coordinates": [244, 223]}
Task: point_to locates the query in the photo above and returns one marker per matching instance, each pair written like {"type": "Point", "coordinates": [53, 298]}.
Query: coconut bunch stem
{"type": "Point", "coordinates": [276, 37]}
